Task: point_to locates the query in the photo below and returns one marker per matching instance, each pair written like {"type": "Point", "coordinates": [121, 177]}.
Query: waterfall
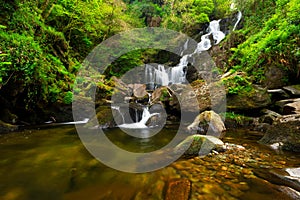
{"type": "Point", "coordinates": [117, 108]}
{"type": "Point", "coordinates": [142, 123]}
{"type": "Point", "coordinates": [159, 76]}
{"type": "Point", "coordinates": [239, 16]}
{"type": "Point", "coordinates": [185, 46]}
{"type": "Point", "coordinates": [214, 30]}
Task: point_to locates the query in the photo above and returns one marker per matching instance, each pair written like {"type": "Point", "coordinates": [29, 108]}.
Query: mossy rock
{"type": "Point", "coordinates": [255, 99]}
{"type": "Point", "coordinates": [104, 118]}
{"type": "Point", "coordinates": [199, 145]}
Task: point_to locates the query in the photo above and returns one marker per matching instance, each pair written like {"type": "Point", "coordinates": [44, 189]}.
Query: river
{"type": "Point", "coordinates": [51, 163]}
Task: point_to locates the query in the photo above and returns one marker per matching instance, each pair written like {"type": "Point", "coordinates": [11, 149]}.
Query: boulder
{"type": "Point", "coordinates": [104, 118]}
{"type": "Point", "coordinates": [208, 121]}
{"type": "Point", "coordinates": [269, 116]}
{"type": "Point", "coordinates": [198, 96]}
{"type": "Point", "coordinates": [289, 177]}
{"type": "Point", "coordinates": [285, 131]}
{"type": "Point", "coordinates": [255, 99]}
{"type": "Point", "coordinates": [138, 90]}
{"type": "Point", "coordinates": [199, 145]}
{"type": "Point", "coordinates": [292, 108]}
{"type": "Point", "coordinates": [288, 106]}
{"type": "Point", "coordinates": [294, 90]}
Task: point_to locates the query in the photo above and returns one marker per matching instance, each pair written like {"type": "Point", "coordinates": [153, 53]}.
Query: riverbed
{"type": "Point", "coordinates": [52, 163]}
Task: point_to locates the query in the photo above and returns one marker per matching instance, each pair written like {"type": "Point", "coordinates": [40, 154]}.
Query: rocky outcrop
{"type": "Point", "coordinates": [294, 90]}
{"type": "Point", "coordinates": [199, 145]}
{"type": "Point", "coordinates": [288, 106]}
{"type": "Point", "coordinates": [256, 99]}
{"type": "Point", "coordinates": [209, 122]}
{"type": "Point", "coordinates": [284, 133]}
{"type": "Point", "coordinates": [104, 118]}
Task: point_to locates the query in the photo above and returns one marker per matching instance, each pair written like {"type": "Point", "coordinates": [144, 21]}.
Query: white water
{"type": "Point", "coordinates": [141, 124]}
{"type": "Point", "coordinates": [217, 35]}
{"type": "Point", "coordinates": [161, 76]}
{"type": "Point", "coordinates": [117, 108]}
{"type": "Point", "coordinates": [84, 121]}
{"type": "Point", "coordinates": [239, 17]}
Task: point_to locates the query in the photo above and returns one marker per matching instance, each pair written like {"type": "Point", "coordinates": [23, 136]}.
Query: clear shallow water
{"type": "Point", "coordinates": [52, 164]}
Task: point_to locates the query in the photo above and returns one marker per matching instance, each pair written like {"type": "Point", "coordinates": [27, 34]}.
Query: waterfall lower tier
{"type": "Point", "coordinates": [142, 123]}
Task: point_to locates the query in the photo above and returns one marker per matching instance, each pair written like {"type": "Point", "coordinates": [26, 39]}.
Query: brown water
{"type": "Point", "coordinates": [53, 164]}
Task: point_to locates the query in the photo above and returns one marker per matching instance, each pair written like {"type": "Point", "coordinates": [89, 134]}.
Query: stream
{"type": "Point", "coordinates": [51, 163]}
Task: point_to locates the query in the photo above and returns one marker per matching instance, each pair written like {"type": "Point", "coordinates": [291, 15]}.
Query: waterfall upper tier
{"type": "Point", "coordinates": [162, 76]}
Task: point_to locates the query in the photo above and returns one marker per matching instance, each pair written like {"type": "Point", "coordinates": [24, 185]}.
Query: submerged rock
{"type": "Point", "coordinates": [210, 122]}
{"type": "Point", "coordinates": [200, 145]}
{"type": "Point", "coordinates": [285, 131]}
{"type": "Point", "coordinates": [178, 189]}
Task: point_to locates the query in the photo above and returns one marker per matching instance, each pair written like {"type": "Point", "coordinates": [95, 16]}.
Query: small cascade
{"type": "Point", "coordinates": [142, 123]}
{"type": "Point", "coordinates": [239, 17]}
{"type": "Point", "coordinates": [217, 35]}
{"type": "Point", "coordinates": [159, 76]}
{"type": "Point", "coordinates": [117, 108]}
{"type": "Point", "coordinates": [185, 46]}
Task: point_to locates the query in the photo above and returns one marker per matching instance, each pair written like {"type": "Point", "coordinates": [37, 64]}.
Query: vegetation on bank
{"type": "Point", "coordinates": [269, 41]}
{"type": "Point", "coordinates": [42, 43]}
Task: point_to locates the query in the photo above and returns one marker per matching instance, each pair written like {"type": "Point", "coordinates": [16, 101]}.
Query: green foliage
{"type": "Point", "coordinates": [238, 84]}
{"type": "Point", "coordinates": [43, 42]}
{"type": "Point", "coordinates": [184, 14]}
{"type": "Point", "coordinates": [68, 98]}
{"type": "Point", "coordinates": [275, 42]}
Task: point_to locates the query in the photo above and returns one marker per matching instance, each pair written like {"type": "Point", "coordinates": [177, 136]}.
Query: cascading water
{"type": "Point", "coordinates": [239, 17]}
{"type": "Point", "coordinates": [159, 76]}
{"type": "Point", "coordinates": [156, 76]}
{"type": "Point", "coordinates": [142, 123]}
{"type": "Point", "coordinates": [117, 108]}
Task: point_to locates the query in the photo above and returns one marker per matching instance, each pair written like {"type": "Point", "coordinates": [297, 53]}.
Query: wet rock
{"type": "Point", "coordinates": [256, 99]}
{"type": "Point", "coordinates": [208, 121]}
{"type": "Point", "coordinates": [292, 108]}
{"type": "Point", "coordinates": [139, 90]}
{"type": "Point", "coordinates": [286, 131]}
{"type": "Point", "coordinates": [178, 189]}
{"type": "Point", "coordinates": [289, 106]}
{"type": "Point", "coordinates": [5, 127]}
{"type": "Point", "coordinates": [289, 177]}
{"type": "Point", "coordinates": [104, 118]}
{"type": "Point", "coordinates": [200, 145]}
{"type": "Point", "coordinates": [198, 96]}
{"type": "Point", "coordinates": [277, 94]}
{"type": "Point", "coordinates": [294, 90]}
{"type": "Point", "coordinates": [161, 94]}
{"type": "Point", "coordinates": [269, 116]}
